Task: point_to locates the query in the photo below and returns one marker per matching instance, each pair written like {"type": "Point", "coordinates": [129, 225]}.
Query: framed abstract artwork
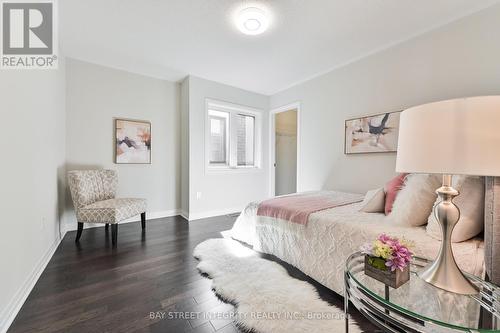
{"type": "Point", "coordinates": [132, 141]}
{"type": "Point", "coordinates": [372, 134]}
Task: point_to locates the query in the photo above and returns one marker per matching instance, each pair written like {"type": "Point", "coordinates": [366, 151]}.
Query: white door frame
{"type": "Point", "coordinates": [272, 144]}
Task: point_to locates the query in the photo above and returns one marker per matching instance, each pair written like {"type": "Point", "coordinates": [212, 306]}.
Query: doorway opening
{"type": "Point", "coordinates": [284, 150]}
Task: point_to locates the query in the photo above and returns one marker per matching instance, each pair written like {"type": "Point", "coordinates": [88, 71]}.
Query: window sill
{"type": "Point", "coordinates": [231, 170]}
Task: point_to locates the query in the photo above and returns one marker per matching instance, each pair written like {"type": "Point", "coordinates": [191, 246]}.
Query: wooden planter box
{"type": "Point", "coordinates": [375, 268]}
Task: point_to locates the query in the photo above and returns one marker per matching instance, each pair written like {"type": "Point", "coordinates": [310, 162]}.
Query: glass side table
{"type": "Point", "coordinates": [418, 306]}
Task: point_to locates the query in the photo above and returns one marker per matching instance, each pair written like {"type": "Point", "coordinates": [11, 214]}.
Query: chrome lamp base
{"type": "Point", "coordinates": [444, 272]}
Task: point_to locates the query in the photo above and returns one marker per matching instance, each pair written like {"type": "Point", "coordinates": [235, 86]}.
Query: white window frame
{"type": "Point", "coordinates": [233, 110]}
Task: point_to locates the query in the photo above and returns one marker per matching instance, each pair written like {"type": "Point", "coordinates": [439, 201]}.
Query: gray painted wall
{"type": "Point", "coordinates": [31, 178]}
{"type": "Point", "coordinates": [460, 59]}
{"type": "Point", "coordinates": [231, 191]}
{"type": "Point", "coordinates": [96, 95]}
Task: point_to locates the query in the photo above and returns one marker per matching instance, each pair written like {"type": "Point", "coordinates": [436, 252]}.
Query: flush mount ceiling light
{"type": "Point", "coordinates": [252, 21]}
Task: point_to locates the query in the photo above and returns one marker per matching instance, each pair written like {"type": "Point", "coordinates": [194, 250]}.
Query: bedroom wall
{"type": "Point", "coordinates": [227, 192]}
{"type": "Point", "coordinates": [96, 95]}
{"type": "Point", "coordinates": [457, 60]}
{"type": "Point", "coordinates": [31, 178]}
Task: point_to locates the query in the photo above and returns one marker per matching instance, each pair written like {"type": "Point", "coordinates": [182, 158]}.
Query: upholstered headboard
{"type": "Point", "coordinates": [492, 229]}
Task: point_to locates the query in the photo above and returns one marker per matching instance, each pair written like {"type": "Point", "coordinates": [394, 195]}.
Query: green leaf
{"type": "Point", "coordinates": [378, 263]}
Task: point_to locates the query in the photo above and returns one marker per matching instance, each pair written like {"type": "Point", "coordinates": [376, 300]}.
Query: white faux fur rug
{"type": "Point", "coordinates": [268, 299]}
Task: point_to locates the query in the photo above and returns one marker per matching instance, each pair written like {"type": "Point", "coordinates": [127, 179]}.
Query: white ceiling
{"type": "Point", "coordinates": [170, 39]}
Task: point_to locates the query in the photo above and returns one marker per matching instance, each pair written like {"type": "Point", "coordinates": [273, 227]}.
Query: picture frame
{"type": "Point", "coordinates": [377, 133]}
{"type": "Point", "coordinates": [132, 141]}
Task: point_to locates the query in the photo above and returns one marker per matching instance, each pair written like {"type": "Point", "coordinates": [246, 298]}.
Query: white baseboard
{"type": "Point", "coordinates": [15, 304]}
{"type": "Point", "coordinates": [184, 214]}
{"type": "Point", "coordinates": [154, 215]}
{"type": "Point", "coordinates": [149, 216]}
{"type": "Point", "coordinates": [213, 213]}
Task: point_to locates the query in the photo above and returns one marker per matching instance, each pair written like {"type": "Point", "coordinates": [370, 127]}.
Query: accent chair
{"type": "Point", "coordinates": [93, 193]}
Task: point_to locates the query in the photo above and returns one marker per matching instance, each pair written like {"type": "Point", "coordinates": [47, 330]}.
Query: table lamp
{"type": "Point", "coordinates": [453, 137]}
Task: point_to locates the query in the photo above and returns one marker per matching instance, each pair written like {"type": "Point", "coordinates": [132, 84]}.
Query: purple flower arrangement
{"type": "Point", "coordinates": [395, 252]}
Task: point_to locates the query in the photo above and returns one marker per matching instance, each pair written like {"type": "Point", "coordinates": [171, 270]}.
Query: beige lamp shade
{"type": "Point", "coordinates": [456, 137]}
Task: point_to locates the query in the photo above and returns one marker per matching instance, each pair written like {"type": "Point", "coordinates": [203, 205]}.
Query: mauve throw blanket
{"type": "Point", "coordinates": [297, 208]}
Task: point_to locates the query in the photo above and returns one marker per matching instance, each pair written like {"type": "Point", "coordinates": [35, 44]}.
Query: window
{"type": "Point", "coordinates": [219, 143]}
{"type": "Point", "coordinates": [245, 140]}
{"type": "Point", "coordinates": [233, 136]}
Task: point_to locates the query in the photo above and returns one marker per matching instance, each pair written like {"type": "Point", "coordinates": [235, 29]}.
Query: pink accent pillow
{"type": "Point", "coordinates": [391, 191]}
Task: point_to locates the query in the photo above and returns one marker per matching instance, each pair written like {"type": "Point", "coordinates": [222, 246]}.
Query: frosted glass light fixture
{"type": "Point", "coordinates": [252, 21]}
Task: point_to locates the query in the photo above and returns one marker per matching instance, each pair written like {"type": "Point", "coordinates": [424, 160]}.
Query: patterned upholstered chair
{"type": "Point", "coordinates": [93, 193]}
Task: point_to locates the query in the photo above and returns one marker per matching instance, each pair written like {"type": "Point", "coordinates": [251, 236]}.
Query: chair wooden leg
{"type": "Point", "coordinates": [114, 234]}
{"type": "Point", "coordinates": [107, 226]}
{"type": "Point", "coordinates": [143, 220]}
{"type": "Point", "coordinates": [79, 232]}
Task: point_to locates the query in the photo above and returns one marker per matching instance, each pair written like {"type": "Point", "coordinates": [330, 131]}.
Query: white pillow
{"type": "Point", "coordinates": [414, 202]}
{"type": "Point", "coordinates": [374, 201]}
{"type": "Point", "coordinates": [471, 205]}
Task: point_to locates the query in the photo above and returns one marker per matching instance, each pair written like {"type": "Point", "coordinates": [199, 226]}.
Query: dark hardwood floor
{"type": "Point", "coordinates": [146, 284]}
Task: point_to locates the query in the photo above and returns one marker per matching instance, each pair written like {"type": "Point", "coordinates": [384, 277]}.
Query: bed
{"type": "Point", "coordinates": [320, 248]}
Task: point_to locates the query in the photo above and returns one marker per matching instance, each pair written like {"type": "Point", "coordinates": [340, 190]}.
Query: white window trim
{"type": "Point", "coordinates": [233, 110]}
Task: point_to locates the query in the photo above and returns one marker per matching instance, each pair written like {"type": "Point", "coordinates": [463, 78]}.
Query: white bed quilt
{"type": "Point", "coordinates": [320, 248]}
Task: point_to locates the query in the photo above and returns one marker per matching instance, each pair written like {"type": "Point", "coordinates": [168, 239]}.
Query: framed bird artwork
{"type": "Point", "coordinates": [372, 134]}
